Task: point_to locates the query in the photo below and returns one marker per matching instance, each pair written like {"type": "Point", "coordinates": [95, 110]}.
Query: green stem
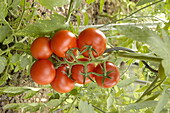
{"type": "Point", "coordinates": [69, 11]}
{"type": "Point", "coordinates": [52, 110]}
{"type": "Point", "coordinates": [72, 104]}
{"type": "Point", "coordinates": [22, 15]}
{"type": "Point", "coordinates": [99, 109]}
{"type": "Point", "coordinates": [146, 91]}
{"type": "Point", "coordinates": [130, 14]}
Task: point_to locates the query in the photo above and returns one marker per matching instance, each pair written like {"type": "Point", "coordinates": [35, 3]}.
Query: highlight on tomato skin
{"type": "Point", "coordinates": [62, 83]}
{"type": "Point", "coordinates": [108, 82]}
{"type": "Point", "coordinates": [79, 68]}
{"type": "Point", "coordinates": [42, 72]}
{"type": "Point", "coordinates": [40, 48]}
{"type": "Point", "coordinates": [62, 41]}
{"type": "Point", "coordinates": [92, 37]}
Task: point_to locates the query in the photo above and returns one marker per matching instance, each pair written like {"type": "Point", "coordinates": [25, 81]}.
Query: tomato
{"type": "Point", "coordinates": [62, 83]}
{"type": "Point", "coordinates": [62, 41]}
{"type": "Point", "coordinates": [79, 68]}
{"type": "Point", "coordinates": [42, 72]}
{"type": "Point", "coordinates": [115, 75]}
{"type": "Point", "coordinates": [40, 48]}
{"type": "Point", "coordinates": [94, 38]}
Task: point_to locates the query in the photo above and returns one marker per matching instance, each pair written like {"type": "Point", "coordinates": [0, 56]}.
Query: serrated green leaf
{"type": "Point", "coordinates": [30, 94]}
{"type": "Point", "coordinates": [15, 3]}
{"type": "Point", "coordinates": [141, 105]}
{"type": "Point", "coordinates": [15, 58]}
{"type": "Point", "coordinates": [53, 103]}
{"type": "Point", "coordinates": [3, 79]}
{"type": "Point", "coordinates": [12, 106]}
{"type": "Point", "coordinates": [14, 90]}
{"type": "Point", "coordinates": [8, 40]}
{"type": "Point", "coordinates": [126, 82]}
{"type": "Point", "coordinates": [3, 63]}
{"type": "Point", "coordinates": [25, 61]}
{"type": "Point", "coordinates": [3, 9]}
{"type": "Point", "coordinates": [43, 27]}
{"type": "Point", "coordinates": [162, 102]}
{"type": "Point", "coordinates": [142, 2]}
{"type": "Point", "coordinates": [109, 102]}
{"type": "Point", "coordinates": [5, 32]}
{"type": "Point", "coordinates": [49, 4]}
{"type": "Point", "coordinates": [159, 45]}
{"type": "Point", "coordinates": [86, 18]}
{"type": "Point", "coordinates": [84, 107]}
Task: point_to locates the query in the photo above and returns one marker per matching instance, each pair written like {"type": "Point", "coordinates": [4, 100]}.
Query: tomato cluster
{"type": "Point", "coordinates": [67, 69]}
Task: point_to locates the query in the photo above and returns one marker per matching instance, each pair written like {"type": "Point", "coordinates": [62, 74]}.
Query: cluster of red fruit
{"type": "Point", "coordinates": [91, 43]}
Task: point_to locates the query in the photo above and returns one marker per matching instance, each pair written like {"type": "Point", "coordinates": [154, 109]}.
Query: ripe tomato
{"type": "Point", "coordinates": [115, 75]}
{"type": "Point", "coordinates": [94, 38]}
{"type": "Point", "coordinates": [78, 69]}
{"type": "Point", "coordinates": [62, 41]}
{"type": "Point", "coordinates": [40, 48]}
{"type": "Point", "coordinates": [62, 83]}
{"type": "Point", "coordinates": [42, 72]}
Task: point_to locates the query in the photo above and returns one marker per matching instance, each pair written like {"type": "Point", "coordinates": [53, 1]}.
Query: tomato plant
{"type": "Point", "coordinates": [62, 83]}
{"type": "Point", "coordinates": [94, 38]}
{"type": "Point", "coordinates": [114, 75]}
{"type": "Point", "coordinates": [42, 72]}
{"type": "Point", "coordinates": [78, 69]}
{"type": "Point", "coordinates": [62, 41]}
{"type": "Point", "coordinates": [40, 48]}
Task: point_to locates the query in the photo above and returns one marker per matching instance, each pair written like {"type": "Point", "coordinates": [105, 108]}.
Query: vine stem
{"type": "Point", "coordinates": [69, 11]}
{"type": "Point", "coordinates": [72, 104]}
{"type": "Point", "coordinates": [130, 14]}
{"type": "Point", "coordinates": [22, 15]}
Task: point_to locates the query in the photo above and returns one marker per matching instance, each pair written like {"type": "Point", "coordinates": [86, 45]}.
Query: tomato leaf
{"type": "Point", "coordinates": [3, 79]}
{"type": "Point", "coordinates": [14, 90]}
{"type": "Point", "coordinates": [29, 94]}
{"type": "Point", "coordinates": [126, 82]}
{"type": "Point", "coordinates": [142, 2]}
{"type": "Point", "coordinates": [3, 63]}
{"type": "Point", "coordinates": [3, 9]}
{"type": "Point", "coordinates": [5, 32]}
{"type": "Point", "coordinates": [12, 106]}
{"type": "Point", "coordinates": [25, 61]}
{"type": "Point", "coordinates": [140, 105]}
{"type": "Point", "coordinates": [53, 103]}
{"type": "Point", "coordinates": [162, 102]}
{"type": "Point", "coordinates": [89, 1]}
{"type": "Point", "coordinates": [43, 27]}
{"type": "Point", "coordinates": [84, 107]}
{"type": "Point", "coordinates": [49, 4]}
{"type": "Point", "coordinates": [86, 18]}
{"type": "Point", "coordinates": [160, 45]}
{"type": "Point", "coordinates": [15, 58]}
{"type": "Point", "coordinates": [101, 5]}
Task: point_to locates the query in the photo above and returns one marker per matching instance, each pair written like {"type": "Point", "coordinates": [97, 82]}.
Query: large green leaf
{"type": "Point", "coordinates": [141, 105]}
{"type": "Point", "coordinates": [84, 107]}
{"type": "Point", "coordinates": [49, 4]}
{"type": "Point", "coordinates": [3, 9]}
{"type": "Point", "coordinates": [162, 102]}
{"type": "Point", "coordinates": [3, 63]}
{"type": "Point", "coordinates": [14, 90]}
{"type": "Point", "coordinates": [160, 45]}
{"type": "Point", "coordinates": [126, 82]}
{"type": "Point", "coordinates": [4, 32]}
{"type": "Point", "coordinates": [43, 27]}
{"type": "Point", "coordinates": [142, 2]}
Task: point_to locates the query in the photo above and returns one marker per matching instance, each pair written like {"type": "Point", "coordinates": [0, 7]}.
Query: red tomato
{"type": "Point", "coordinates": [40, 48]}
{"type": "Point", "coordinates": [62, 83]}
{"type": "Point", "coordinates": [94, 38]}
{"type": "Point", "coordinates": [78, 69]}
{"type": "Point", "coordinates": [115, 75]}
{"type": "Point", "coordinates": [62, 41]}
{"type": "Point", "coordinates": [42, 72]}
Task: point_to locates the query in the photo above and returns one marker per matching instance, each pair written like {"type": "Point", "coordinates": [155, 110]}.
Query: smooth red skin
{"type": "Point", "coordinates": [40, 48]}
{"type": "Point", "coordinates": [78, 69]}
{"type": "Point", "coordinates": [62, 83]}
{"type": "Point", "coordinates": [115, 75]}
{"type": "Point", "coordinates": [42, 72]}
{"type": "Point", "coordinates": [62, 41]}
{"type": "Point", "coordinates": [93, 37]}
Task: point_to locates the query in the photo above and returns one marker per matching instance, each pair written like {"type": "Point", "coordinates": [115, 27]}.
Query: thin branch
{"type": "Point", "coordinates": [131, 14]}
{"type": "Point", "coordinates": [69, 11]}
